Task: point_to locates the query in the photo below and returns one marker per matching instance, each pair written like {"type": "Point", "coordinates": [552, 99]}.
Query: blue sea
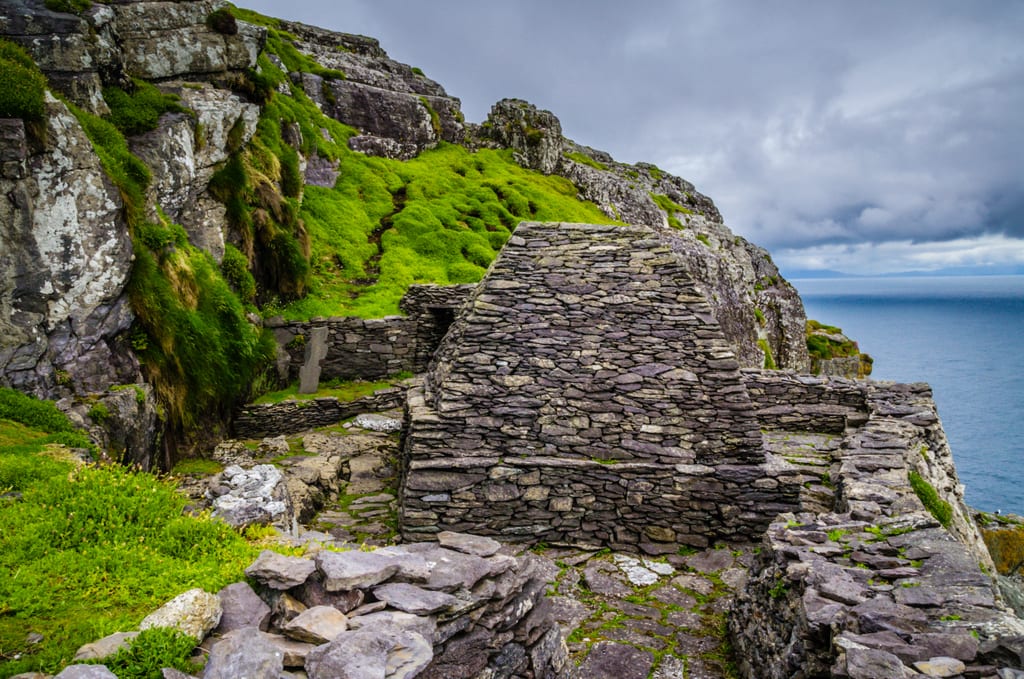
{"type": "Point", "coordinates": [964, 336]}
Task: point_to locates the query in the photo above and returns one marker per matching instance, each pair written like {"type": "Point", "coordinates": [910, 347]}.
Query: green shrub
{"type": "Point", "coordinates": [88, 551]}
{"type": "Point", "coordinates": [22, 86]}
{"type": "Point", "coordinates": [99, 413]}
{"type": "Point", "coordinates": [235, 269]}
{"type": "Point", "coordinates": [150, 652]}
{"type": "Point", "coordinates": [139, 111]}
{"type": "Point", "coordinates": [929, 497]}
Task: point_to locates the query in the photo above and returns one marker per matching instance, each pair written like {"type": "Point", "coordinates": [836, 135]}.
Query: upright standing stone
{"type": "Point", "coordinates": [316, 351]}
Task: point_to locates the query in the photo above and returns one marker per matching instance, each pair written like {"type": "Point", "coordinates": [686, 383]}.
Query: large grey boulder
{"type": "Point", "coordinates": [370, 653]}
{"type": "Point", "coordinates": [244, 653]}
{"type": "Point", "coordinates": [241, 607]}
{"type": "Point", "coordinates": [194, 613]}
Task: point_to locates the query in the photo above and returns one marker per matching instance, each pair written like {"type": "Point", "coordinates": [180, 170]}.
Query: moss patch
{"type": "Point", "coordinates": [22, 85]}
{"type": "Point", "coordinates": [929, 497]}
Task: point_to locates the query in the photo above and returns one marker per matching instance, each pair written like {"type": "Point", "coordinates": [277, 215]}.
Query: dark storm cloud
{"type": "Point", "coordinates": [815, 126]}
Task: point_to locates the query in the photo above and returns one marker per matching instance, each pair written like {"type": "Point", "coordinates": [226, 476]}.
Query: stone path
{"type": "Point", "coordinates": [626, 616]}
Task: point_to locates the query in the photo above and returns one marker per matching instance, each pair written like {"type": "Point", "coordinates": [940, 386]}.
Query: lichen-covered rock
{"type": "Point", "coordinates": [534, 135]}
{"type": "Point", "coordinates": [251, 496]}
{"type": "Point", "coordinates": [63, 269]}
{"type": "Point", "coordinates": [194, 613]}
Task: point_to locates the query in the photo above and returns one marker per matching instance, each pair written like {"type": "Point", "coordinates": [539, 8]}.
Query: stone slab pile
{"type": "Point", "coordinates": [459, 607]}
{"type": "Point", "coordinates": [586, 395]}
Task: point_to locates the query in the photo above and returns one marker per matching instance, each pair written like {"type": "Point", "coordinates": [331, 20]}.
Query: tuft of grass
{"type": "Point", "coordinates": [139, 110]}
{"type": "Point", "coordinates": [584, 159]}
{"type": "Point", "coordinates": [929, 497]}
{"type": "Point", "coordinates": [151, 651]}
{"type": "Point", "coordinates": [197, 466]}
{"type": "Point", "coordinates": [22, 85]}
{"type": "Point", "coordinates": [23, 412]}
{"type": "Point", "coordinates": [68, 6]}
{"type": "Point", "coordinates": [769, 360]}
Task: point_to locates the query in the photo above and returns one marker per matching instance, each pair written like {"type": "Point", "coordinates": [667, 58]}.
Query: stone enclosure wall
{"type": "Point", "coordinates": [586, 395]}
{"type": "Point", "coordinates": [360, 348]}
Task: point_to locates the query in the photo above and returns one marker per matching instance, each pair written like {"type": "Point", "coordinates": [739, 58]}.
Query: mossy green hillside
{"type": "Point", "coordinates": [89, 550]}
{"type": "Point", "coordinates": [439, 218]}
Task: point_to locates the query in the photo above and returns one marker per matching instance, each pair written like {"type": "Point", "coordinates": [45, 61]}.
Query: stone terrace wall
{"type": "Point", "coordinates": [791, 401]}
{"type": "Point", "coordinates": [586, 395]}
{"type": "Point", "coordinates": [360, 348]}
{"type": "Point", "coordinates": [292, 417]}
{"type": "Point", "coordinates": [878, 586]}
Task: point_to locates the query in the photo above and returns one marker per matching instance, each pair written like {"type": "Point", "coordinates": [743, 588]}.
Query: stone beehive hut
{"type": "Point", "coordinates": [586, 394]}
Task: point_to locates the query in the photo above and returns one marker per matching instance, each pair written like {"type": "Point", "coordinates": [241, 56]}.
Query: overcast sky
{"type": "Point", "coordinates": [867, 137]}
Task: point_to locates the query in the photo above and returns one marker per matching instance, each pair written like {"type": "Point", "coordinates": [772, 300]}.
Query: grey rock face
{"type": "Point", "coordinates": [244, 653]}
{"type": "Point", "coordinates": [65, 261]}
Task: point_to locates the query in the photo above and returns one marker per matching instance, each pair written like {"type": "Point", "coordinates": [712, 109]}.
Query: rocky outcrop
{"type": "Point", "coordinates": [108, 44]}
{"type": "Point", "coordinates": [185, 150]}
{"type": "Point", "coordinates": [64, 265]}
{"type": "Point", "coordinates": [398, 110]}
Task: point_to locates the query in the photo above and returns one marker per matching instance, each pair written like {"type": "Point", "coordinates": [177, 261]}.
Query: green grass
{"type": "Point", "coordinates": [137, 111]}
{"type": "Point", "coordinates": [819, 346]}
{"type": "Point", "coordinates": [440, 218]}
{"type": "Point", "coordinates": [671, 208]}
{"type": "Point", "coordinates": [86, 551]}
{"type": "Point", "coordinates": [586, 160]}
{"type": "Point", "coordinates": [152, 650]}
{"type": "Point", "coordinates": [929, 497]}
{"type": "Point", "coordinates": [769, 360]}
{"type": "Point", "coordinates": [341, 390]}
{"type": "Point", "coordinates": [21, 84]}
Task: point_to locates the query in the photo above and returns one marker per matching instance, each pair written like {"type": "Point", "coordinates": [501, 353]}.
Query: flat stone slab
{"type": "Point", "coordinates": [317, 625]}
{"type": "Point", "coordinates": [352, 570]}
{"type": "Point", "coordinates": [241, 607]}
{"type": "Point", "coordinates": [105, 647]}
{"type": "Point", "coordinates": [375, 422]}
{"type": "Point", "coordinates": [413, 599]}
{"type": "Point", "coordinates": [609, 660]}
{"type": "Point", "coordinates": [468, 544]}
{"type": "Point", "coordinates": [278, 571]}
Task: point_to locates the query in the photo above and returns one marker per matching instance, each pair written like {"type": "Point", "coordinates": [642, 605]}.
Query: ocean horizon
{"type": "Point", "coordinates": [964, 335]}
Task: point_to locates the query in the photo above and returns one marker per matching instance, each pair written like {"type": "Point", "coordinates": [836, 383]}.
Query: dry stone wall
{"type": "Point", "coordinates": [586, 395]}
{"type": "Point", "coordinates": [367, 349]}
